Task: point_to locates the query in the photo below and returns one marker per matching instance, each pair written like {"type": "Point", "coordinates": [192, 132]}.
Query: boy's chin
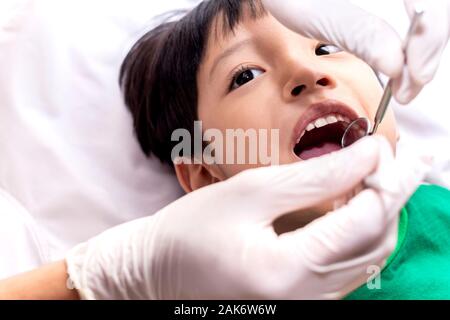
{"type": "Point", "coordinates": [299, 219]}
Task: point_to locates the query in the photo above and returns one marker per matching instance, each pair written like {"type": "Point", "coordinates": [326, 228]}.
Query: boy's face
{"type": "Point", "coordinates": [284, 81]}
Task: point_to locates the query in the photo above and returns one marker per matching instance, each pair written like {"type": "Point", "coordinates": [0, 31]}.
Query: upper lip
{"type": "Point", "coordinates": [321, 109]}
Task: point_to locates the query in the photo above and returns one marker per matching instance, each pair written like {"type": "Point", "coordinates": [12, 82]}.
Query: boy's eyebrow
{"type": "Point", "coordinates": [228, 52]}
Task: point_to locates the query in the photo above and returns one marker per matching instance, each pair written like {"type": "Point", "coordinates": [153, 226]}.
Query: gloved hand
{"type": "Point", "coordinates": [372, 39]}
{"type": "Point", "coordinates": [219, 243]}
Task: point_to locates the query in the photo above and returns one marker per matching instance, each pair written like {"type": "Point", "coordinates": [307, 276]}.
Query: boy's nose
{"type": "Point", "coordinates": [304, 80]}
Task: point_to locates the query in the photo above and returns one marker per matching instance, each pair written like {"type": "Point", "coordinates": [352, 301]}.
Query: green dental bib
{"type": "Point", "coordinates": [420, 266]}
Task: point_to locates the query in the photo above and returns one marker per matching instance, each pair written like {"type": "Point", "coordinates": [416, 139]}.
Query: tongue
{"type": "Point", "coordinates": [319, 150]}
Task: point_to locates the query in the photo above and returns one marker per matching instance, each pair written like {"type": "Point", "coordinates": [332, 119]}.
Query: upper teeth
{"type": "Point", "coordinates": [322, 122]}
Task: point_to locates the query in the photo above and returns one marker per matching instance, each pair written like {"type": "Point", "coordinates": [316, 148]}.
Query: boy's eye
{"type": "Point", "coordinates": [244, 76]}
{"type": "Point", "coordinates": [325, 49]}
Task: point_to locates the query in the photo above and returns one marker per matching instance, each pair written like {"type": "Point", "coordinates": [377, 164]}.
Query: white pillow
{"type": "Point", "coordinates": [67, 150]}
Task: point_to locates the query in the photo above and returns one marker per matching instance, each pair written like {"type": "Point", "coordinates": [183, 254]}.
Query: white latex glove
{"type": "Point", "coordinates": [219, 243]}
{"type": "Point", "coordinates": [425, 49]}
{"type": "Point", "coordinates": [372, 39]}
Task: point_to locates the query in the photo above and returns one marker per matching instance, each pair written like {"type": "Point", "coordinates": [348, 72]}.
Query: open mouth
{"type": "Point", "coordinates": [321, 129]}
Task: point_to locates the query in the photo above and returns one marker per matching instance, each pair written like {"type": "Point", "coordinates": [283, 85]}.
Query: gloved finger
{"type": "Point", "coordinates": [343, 235]}
{"type": "Point", "coordinates": [341, 245]}
{"type": "Point", "coordinates": [354, 273]}
{"type": "Point", "coordinates": [404, 88]}
{"type": "Point", "coordinates": [288, 188]}
{"type": "Point", "coordinates": [428, 43]}
{"type": "Point", "coordinates": [367, 36]}
{"type": "Point", "coordinates": [308, 250]}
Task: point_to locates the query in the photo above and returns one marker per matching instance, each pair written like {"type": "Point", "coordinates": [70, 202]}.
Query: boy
{"type": "Point", "coordinates": [231, 65]}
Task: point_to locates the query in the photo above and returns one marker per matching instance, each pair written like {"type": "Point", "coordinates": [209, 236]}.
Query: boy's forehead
{"type": "Point", "coordinates": [222, 35]}
{"type": "Point", "coordinates": [250, 30]}
{"type": "Point", "coordinates": [222, 38]}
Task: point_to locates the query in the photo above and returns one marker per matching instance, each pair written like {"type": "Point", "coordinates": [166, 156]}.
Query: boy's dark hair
{"type": "Point", "coordinates": [159, 75]}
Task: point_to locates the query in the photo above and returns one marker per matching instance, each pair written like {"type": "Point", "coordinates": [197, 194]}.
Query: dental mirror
{"type": "Point", "coordinates": [362, 127]}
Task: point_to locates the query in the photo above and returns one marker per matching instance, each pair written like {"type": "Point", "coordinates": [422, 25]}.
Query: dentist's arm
{"type": "Point", "coordinates": [372, 39]}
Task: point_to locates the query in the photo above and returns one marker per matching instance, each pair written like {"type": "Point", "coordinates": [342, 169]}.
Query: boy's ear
{"type": "Point", "coordinates": [195, 176]}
